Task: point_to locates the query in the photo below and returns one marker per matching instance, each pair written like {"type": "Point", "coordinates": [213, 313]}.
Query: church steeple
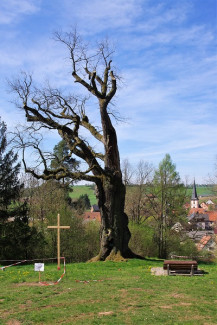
{"type": "Point", "coordinates": [194, 192]}
{"type": "Point", "coordinates": [194, 197]}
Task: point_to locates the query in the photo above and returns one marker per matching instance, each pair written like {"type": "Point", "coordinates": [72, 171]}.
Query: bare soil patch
{"type": "Point", "coordinates": [13, 322]}
{"type": "Point", "coordinates": [124, 292]}
{"type": "Point", "coordinates": [195, 317]}
{"type": "Point", "coordinates": [178, 295]}
{"type": "Point", "coordinates": [106, 313]}
{"type": "Point", "coordinates": [185, 303]}
{"type": "Point", "coordinates": [29, 284]}
{"type": "Point", "coordinates": [166, 307]}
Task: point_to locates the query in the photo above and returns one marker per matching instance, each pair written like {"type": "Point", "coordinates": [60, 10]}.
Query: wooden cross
{"type": "Point", "coordinates": [58, 227]}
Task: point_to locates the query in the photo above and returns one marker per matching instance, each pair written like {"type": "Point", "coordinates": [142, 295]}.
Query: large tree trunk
{"type": "Point", "coordinates": [115, 234]}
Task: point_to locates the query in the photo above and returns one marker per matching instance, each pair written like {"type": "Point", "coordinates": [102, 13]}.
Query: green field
{"type": "Point", "coordinates": [109, 293]}
{"type": "Point", "coordinates": [79, 190]}
{"type": "Point", "coordinates": [202, 190]}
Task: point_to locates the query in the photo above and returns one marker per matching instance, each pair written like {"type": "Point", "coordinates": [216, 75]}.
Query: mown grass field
{"type": "Point", "coordinates": [79, 190]}
{"type": "Point", "coordinates": [124, 293]}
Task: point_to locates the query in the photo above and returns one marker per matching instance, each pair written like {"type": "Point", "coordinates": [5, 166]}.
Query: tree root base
{"type": "Point", "coordinates": [115, 257]}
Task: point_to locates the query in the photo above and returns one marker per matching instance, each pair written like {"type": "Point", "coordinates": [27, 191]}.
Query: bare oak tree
{"type": "Point", "coordinates": [127, 172]}
{"type": "Point", "coordinates": [136, 200]}
{"type": "Point", "coordinates": [47, 108]}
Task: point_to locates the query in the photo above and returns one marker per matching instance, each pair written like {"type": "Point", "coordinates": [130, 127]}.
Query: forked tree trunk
{"type": "Point", "coordinates": [115, 234]}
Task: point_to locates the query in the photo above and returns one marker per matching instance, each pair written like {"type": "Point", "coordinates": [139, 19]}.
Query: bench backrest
{"type": "Point", "coordinates": [179, 265]}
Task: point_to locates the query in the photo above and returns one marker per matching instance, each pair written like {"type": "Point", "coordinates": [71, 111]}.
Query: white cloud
{"type": "Point", "coordinates": [11, 10]}
{"type": "Point", "coordinates": [96, 15]}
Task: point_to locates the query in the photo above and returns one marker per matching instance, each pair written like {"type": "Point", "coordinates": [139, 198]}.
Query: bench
{"type": "Point", "coordinates": [181, 267]}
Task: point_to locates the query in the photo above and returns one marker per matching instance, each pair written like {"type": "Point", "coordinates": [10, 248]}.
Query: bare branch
{"type": "Point", "coordinates": [114, 87]}
{"type": "Point", "coordinates": [22, 86]}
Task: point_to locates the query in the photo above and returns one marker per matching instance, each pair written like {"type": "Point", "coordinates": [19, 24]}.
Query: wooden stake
{"type": "Point", "coordinates": [58, 227]}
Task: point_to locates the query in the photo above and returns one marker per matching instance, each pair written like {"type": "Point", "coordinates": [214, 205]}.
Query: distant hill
{"type": "Point", "coordinates": [79, 190]}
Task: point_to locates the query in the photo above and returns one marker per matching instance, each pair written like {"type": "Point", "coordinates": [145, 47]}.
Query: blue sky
{"type": "Point", "coordinates": [165, 52]}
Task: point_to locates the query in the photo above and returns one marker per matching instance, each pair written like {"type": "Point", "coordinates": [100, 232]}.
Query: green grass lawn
{"type": "Point", "coordinates": [79, 190]}
{"type": "Point", "coordinates": [125, 293]}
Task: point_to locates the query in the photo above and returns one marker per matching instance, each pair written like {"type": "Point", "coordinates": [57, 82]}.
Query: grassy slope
{"type": "Point", "coordinates": [79, 190]}
{"type": "Point", "coordinates": [127, 294]}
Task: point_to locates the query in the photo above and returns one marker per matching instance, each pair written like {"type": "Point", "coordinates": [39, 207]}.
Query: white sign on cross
{"type": "Point", "coordinates": [58, 227]}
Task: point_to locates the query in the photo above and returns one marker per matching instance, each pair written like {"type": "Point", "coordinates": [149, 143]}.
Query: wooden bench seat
{"type": "Point", "coordinates": [180, 267]}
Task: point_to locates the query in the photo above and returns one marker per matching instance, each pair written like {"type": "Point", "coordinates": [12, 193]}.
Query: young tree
{"type": "Point", "coordinates": [165, 202]}
{"type": "Point", "coordinates": [135, 205]}
{"type": "Point", "coordinates": [51, 109]}
{"type": "Point", "coordinates": [48, 199]}
{"type": "Point", "coordinates": [127, 172]}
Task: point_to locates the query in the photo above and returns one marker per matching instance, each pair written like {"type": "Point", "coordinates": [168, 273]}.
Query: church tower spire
{"type": "Point", "coordinates": [194, 197]}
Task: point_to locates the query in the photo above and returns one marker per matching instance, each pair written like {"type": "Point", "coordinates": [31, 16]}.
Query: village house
{"type": "Point", "coordinates": [209, 202]}
{"type": "Point", "coordinates": [202, 223]}
{"type": "Point", "coordinates": [91, 216]}
{"type": "Point", "coordinates": [95, 208]}
{"type": "Point", "coordinates": [198, 219]}
{"type": "Point", "coordinates": [206, 243]}
{"type": "Point", "coordinates": [204, 206]}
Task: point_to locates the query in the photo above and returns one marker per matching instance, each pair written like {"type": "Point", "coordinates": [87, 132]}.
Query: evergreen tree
{"type": "Point", "coordinates": [62, 159]}
{"type": "Point", "coordinates": [9, 183]}
{"type": "Point", "coordinates": [84, 202]}
{"type": "Point", "coordinates": [20, 241]}
{"type": "Point", "coordinates": [17, 238]}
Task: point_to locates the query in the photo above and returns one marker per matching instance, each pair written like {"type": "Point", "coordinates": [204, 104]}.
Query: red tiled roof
{"type": "Point", "coordinates": [203, 242]}
{"type": "Point", "coordinates": [91, 216]}
{"type": "Point", "coordinates": [212, 215]}
{"type": "Point", "coordinates": [197, 210]}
